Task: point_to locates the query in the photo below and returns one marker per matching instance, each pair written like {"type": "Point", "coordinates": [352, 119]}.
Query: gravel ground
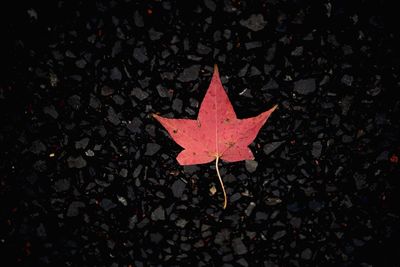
{"type": "Point", "coordinates": [89, 178]}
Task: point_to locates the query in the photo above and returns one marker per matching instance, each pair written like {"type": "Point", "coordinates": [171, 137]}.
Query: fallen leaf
{"type": "Point", "coordinates": [216, 133]}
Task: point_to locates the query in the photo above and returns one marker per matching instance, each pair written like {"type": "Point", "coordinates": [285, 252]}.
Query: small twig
{"type": "Point", "coordinates": [220, 180]}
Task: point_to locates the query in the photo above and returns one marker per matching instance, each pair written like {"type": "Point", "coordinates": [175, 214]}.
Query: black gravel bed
{"type": "Point", "coordinates": [89, 178]}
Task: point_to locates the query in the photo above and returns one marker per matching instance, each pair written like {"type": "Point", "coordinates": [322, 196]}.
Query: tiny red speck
{"type": "Point", "coordinates": [394, 159]}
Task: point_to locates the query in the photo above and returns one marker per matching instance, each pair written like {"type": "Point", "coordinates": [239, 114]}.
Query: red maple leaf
{"type": "Point", "coordinates": [217, 133]}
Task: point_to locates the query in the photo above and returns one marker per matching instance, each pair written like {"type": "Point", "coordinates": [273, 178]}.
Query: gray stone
{"type": "Point", "coordinates": [123, 172]}
{"type": "Point", "coordinates": [82, 144]}
{"type": "Point", "coordinates": [316, 149]}
{"type": "Point", "coordinates": [306, 254]}
{"type": "Point", "coordinates": [255, 22]}
{"type": "Point", "coordinates": [238, 246]}
{"type": "Point", "coordinates": [138, 19]}
{"type": "Point", "coordinates": [305, 87]}
{"type": "Point", "coordinates": [250, 209]}
{"type": "Point", "coordinates": [252, 45]}
{"type": "Point", "coordinates": [139, 93]}
{"type": "Point", "coordinates": [106, 90]}
{"type": "Point", "coordinates": [61, 185]}
{"type": "Point", "coordinates": [51, 111]}
{"type": "Point", "coordinates": [347, 80]}
{"type": "Point", "coordinates": [298, 51]}
{"type": "Point", "coordinates": [151, 149]}
{"type": "Point", "coordinates": [154, 35]}
{"type": "Point", "coordinates": [177, 105]}
{"type": "Point", "coordinates": [295, 222]}
{"type": "Point", "coordinates": [113, 117]}
{"type": "Point", "coordinates": [158, 214]}
{"type": "Point", "coordinates": [251, 165]}
{"type": "Point", "coordinates": [189, 74]}
{"type": "Point", "coordinates": [41, 231]}
{"type": "Point", "coordinates": [135, 125]}
{"type": "Point", "coordinates": [140, 54]}
{"type": "Point", "coordinates": [261, 216]}
{"type": "Point", "coordinates": [115, 74]}
{"type": "Point", "coordinates": [37, 147]}
{"type": "Point", "coordinates": [271, 147]}
{"type": "Point", "coordinates": [155, 237]}
{"type": "Point", "coordinates": [316, 206]}
{"type": "Point", "coordinates": [94, 102]}
{"type": "Point", "coordinates": [210, 5]}
{"type": "Point", "coordinates": [177, 188]}
{"type": "Point", "coordinates": [76, 162]}
{"type": "Point", "coordinates": [107, 204]}
{"type": "Point", "coordinates": [74, 101]}
{"type": "Point", "coordinates": [279, 235]}
{"type": "Point", "coordinates": [202, 49]}
{"type": "Point", "coordinates": [81, 63]}
{"type": "Point", "coordinates": [73, 209]}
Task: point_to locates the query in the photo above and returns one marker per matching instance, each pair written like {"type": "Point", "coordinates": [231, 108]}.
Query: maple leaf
{"type": "Point", "coordinates": [216, 133]}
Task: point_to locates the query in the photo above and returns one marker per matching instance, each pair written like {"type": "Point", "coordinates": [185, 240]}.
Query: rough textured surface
{"type": "Point", "coordinates": [88, 178]}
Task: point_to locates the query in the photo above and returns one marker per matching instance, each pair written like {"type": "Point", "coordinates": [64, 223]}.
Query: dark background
{"type": "Point", "coordinates": [88, 178]}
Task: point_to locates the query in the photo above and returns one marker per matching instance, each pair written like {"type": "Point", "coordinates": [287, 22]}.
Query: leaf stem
{"type": "Point", "coordinates": [220, 180]}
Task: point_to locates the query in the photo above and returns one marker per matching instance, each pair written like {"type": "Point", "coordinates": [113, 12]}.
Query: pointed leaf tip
{"type": "Point", "coordinates": [274, 107]}
{"type": "Point", "coordinates": [216, 71]}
